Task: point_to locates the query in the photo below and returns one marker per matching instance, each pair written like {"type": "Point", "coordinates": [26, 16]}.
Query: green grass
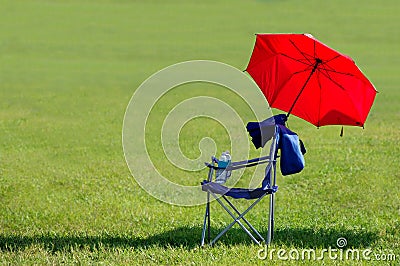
{"type": "Point", "coordinates": [67, 72]}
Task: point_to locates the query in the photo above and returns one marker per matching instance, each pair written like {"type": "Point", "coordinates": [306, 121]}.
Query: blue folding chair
{"type": "Point", "coordinates": [281, 138]}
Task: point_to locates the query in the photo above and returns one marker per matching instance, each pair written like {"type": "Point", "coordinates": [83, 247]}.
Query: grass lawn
{"type": "Point", "coordinates": [67, 72]}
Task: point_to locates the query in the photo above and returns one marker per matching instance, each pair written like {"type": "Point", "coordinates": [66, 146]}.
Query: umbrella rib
{"type": "Point", "coordinates": [340, 86]}
{"type": "Point", "coordinates": [327, 66]}
{"type": "Point", "coordinates": [301, 71]}
{"type": "Point", "coordinates": [335, 82]}
{"type": "Point", "coordinates": [302, 53]}
{"type": "Point", "coordinates": [298, 72]}
{"type": "Point", "coordinates": [327, 61]}
{"type": "Point", "coordinates": [295, 73]}
{"type": "Point", "coordinates": [337, 72]}
{"type": "Point", "coordinates": [298, 60]}
{"type": "Point", "coordinates": [331, 69]}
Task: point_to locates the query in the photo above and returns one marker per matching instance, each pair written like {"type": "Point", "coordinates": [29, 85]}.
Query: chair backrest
{"type": "Point", "coordinates": [262, 132]}
{"type": "Point", "coordinates": [270, 169]}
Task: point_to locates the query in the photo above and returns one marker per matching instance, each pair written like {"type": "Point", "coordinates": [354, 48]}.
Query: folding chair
{"type": "Point", "coordinates": [270, 129]}
{"type": "Point", "coordinates": [268, 188]}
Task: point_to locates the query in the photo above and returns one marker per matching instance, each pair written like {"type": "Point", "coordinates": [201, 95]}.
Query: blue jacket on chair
{"type": "Point", "coordinates": [292, 159]}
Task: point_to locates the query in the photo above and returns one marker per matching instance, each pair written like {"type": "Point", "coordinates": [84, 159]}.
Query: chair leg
{"type": "Point", "coordinates": [206, 223]}
{"type": "Point", "coordinates": [203, 233]}
{"type": "Point", "coordinates": [270, 234]}
{"type": "Point", "coordinates": [208, 219]}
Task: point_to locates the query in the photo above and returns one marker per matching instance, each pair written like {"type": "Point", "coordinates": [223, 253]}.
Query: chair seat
{"type": "Point", "coordinates": [236, 193]}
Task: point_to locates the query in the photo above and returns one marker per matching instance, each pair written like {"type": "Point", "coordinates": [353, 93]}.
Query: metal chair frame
{"type": "Point", "coordinates": [236, 215]}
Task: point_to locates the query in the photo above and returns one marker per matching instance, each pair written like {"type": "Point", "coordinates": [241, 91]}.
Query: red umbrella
{"type": "Point", "coordinates": [302, 76]}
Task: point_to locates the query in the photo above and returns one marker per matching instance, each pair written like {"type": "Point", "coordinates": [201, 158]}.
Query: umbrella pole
{"type": "Point", "coordinates": [317, 62]}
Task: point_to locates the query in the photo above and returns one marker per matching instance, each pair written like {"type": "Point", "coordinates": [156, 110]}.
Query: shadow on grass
{"type": "Point", "coordinates": [321, 238]}
{"type": "Point", "coordinates": [185, 237]}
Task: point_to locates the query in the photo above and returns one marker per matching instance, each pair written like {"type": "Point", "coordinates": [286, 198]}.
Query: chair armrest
{"type": "Point", "coordinates": [214, 167]}
{"type": "Point", "coordinates": [241, 164]}
{"type": "Point", "coordinates": [250, 161]}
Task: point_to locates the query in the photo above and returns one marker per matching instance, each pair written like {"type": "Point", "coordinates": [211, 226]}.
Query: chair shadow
{"type": "Point", "coordinates": [185, 237]}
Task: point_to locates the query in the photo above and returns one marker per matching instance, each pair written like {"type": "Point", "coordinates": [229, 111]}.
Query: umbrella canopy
{"type": "Point", "coordinates": [302, 76]}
